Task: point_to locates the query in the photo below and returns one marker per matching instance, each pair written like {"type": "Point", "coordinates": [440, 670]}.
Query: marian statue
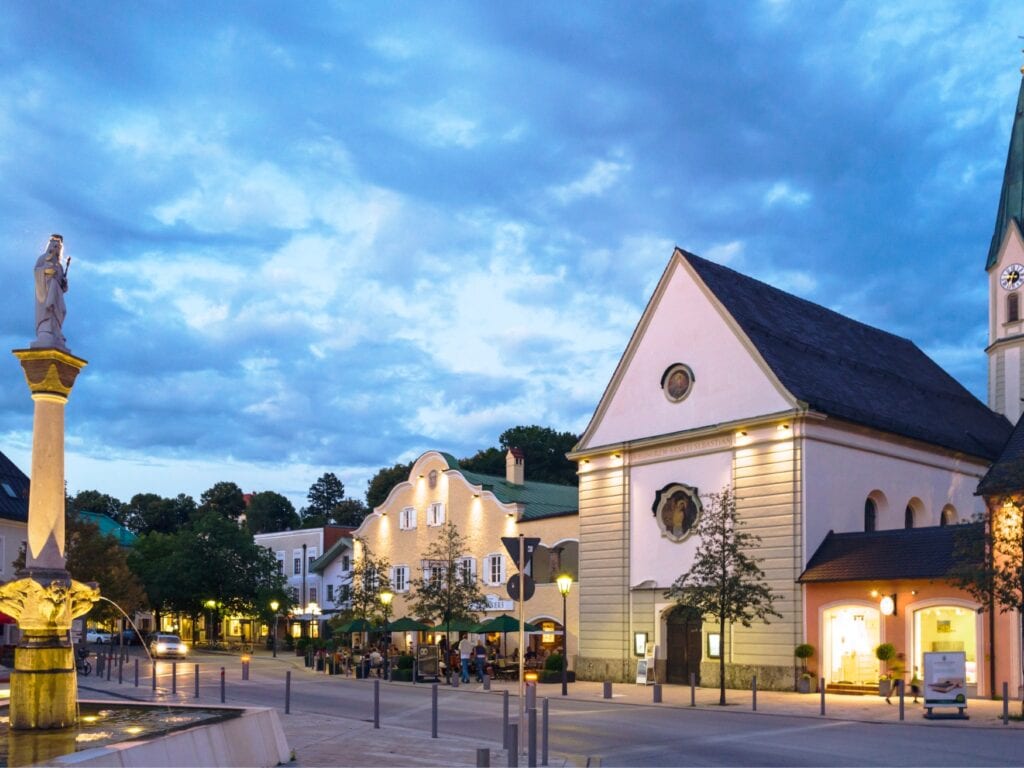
{"type": "Point", "coordinates": [51, 285]}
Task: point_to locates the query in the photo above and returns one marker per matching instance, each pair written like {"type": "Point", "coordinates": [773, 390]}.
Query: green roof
{"type": "Point", "coordinates": [110, 527]}
{"type": "Point", "coordinates": [328, 557]}
{"type": "Point", "coordinates": [1011, 198]}
{"type": "Point", "coordinates": [541, 499]}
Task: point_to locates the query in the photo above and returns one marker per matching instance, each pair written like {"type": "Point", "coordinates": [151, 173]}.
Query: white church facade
{"type": "Point", "coordinates": [852, 456]}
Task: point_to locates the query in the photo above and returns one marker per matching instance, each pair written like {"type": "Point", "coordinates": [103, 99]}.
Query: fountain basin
{"type": "Point", "coordinates": [132, 734]}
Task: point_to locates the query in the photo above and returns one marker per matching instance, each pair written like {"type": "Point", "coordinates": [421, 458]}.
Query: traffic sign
{"type": "Point", "coordinates": [513, 587]}
{"type": "Point", "coordinates": [530, 545]}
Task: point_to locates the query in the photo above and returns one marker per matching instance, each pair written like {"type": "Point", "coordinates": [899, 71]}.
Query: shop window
{"type": "Point", "coordinates": [870, 515]}
{"type": "Point", "coordinates": [851, 634]}
{"type": "Point", "coordinates": [947, 629]}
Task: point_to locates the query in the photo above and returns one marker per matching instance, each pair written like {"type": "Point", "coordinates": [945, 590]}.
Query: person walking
{"type": "Point", "coordinates": [897, 669]}
{"type": "Point", "coordinates": [480, 660]}
{"type": "Point", "coordinates": [465, 652]}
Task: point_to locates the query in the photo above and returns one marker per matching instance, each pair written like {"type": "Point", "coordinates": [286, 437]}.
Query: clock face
{"type": "Point", "coordinates": [1012, 277]}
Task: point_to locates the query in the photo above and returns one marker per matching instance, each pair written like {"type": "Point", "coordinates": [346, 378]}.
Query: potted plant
{"type": "Point", "coordinates": [885, 653]}
{"type": "Point", "coordinates": [402, 671]}
{"type": "Point", "coordinates": [805, 682]}
{"type": "Point", "coordinates": [552, 672]}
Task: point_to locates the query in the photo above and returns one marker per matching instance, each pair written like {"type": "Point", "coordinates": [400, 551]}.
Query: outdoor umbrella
{"type": "Point", "coordinates": [359, 625]}
{"type": "Point", "coordinates": [407, 624]}
{"type": "Point", "coordinates": [461, 624]}
{"type": "Point", "coordinates": [506, 624]}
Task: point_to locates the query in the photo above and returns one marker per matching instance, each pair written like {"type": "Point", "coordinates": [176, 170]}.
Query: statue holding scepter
{"type": "Point", "coordinates": [51, 285]}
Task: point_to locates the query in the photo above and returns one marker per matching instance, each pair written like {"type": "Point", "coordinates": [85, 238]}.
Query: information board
{"type": "Point", "coordinates": [945, 679]}
{"type": "Point", "coordinates": [645, 671]}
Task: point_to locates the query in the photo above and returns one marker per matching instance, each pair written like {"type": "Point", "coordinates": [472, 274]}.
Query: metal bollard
{"type": "Point", "coordinates": [504, 719]}
{"type": "Point", "coordinates": [153, 669]}
{"type": "Point", "coordinates": [287, 691]}
{"type": "Point", "coordinates": [455, 679]}
{"type": "Point", "coordinates": [120, 671]}
{"type": "Point", "coordinates": [483, 757]}
{"type": "Point", "coordinates": [1006, 705]}
{"type": "Point", "coordinates": [99, 666]}
{"type": "Point", "coordinates": [136, 673]}
{"type": "Point", "coordinates": [376, 704]}
{"type": "Point", "coordinates": [753, 691]}
{"type": "Point", "coordinates": [110, 663]}
{"type": "Point", "coordinates": [693, 689]}
{"type": "Point", "coordinates": [433, 711]}
{"type": "Point", "coordinates": [531, 696]}
{"type": "Point", "coordinates": [487, 682]}
{"type": "Point", "coordinates": [174, 677]}
{"type": "Point", "coordinates": [245, 669]}
{"type": "Point", "coordinates": [544, 734]}
{"type": "Point", "coordinates": [512, 739]}
{"type": "Point", "coordinates": [821, 687]}
{"type": "Point", "coordinates": [223, 687]}
{"type": "Point", "coordinates": [657, 693]}
{"type": "Point", "coordinates": [196, 677]}
{"type": "Point", "coordinates": [531, 737]}
{"type": "Point", "coordinates": [607, 689]}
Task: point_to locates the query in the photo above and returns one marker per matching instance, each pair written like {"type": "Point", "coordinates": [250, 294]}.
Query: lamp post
{"type": "Point", "coordinates": [386, 596]}
{"type": "Point", "coordinates": [564, 585]}
{"type": "Point", "coordinates": [314, 612]}
{"type": "Point", "coordinates": [274, 605]}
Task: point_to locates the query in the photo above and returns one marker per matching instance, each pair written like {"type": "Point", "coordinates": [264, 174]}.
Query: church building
{"type": "Point", "coordinates": [853, 456]}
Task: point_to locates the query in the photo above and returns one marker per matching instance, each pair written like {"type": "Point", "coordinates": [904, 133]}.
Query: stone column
{"type": "Point", "coordinates": [44, 599]}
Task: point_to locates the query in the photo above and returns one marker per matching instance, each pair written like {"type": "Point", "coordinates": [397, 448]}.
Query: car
{"type": "Point", "coordinates": [163, 645]}
{"type": "Point", "coordinates": [131, 637]}
{"type": "Point", "coordinates": [97, 636]}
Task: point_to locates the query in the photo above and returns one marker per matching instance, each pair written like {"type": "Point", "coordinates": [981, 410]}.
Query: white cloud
{"type": "Point", "coordinates": [602, 175]}
{"type": "Point", "coordinates": [783, 193]}
{"type": "Point", "coordinates": [725, 253]}
{"type": "Point", "coordinates": [444, 124]}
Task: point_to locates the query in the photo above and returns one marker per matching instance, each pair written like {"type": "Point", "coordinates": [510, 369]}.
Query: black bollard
{"type": "Point", "coordinates": [693, 689]}
{"type": "Point", "coordinates": [544, 734]}
{"type": "Point", "coordinates": [487, 682]}
{"type": "Point", "coordinates": [1006, 705]}
{"type": "Point", "coordinates": [657, 693]}
{"type": "Point", "coordinates": [822, 688]}
{"type": "Point", "coordinates": [174, 677]}
{"type": "Point", "coordinates": [110, 663]}
{"type": "Point", "coordinates": [483, 757]}
{"type": "Point", "coordinates": [288, 692]}
{"type": "Point", "coordinates": [376, 704]}
{"type": "Point", "coordinates": [902, 684]}
{"type": "Point", "coordinates": [504, 719]}
{"type": "Point", "coordinates": [152, 666]}
{"type": "Point", "coordinates": [512, 739]}
{"type": "Point", "coordinates": [433, 711]}
{"type": "Point", "coordinates": [136, 673]}
{"type": "Point", "coordinates": [196, 677]}
{"type": "Point", "coordinates": [120, 671]}
{"type": "Point", "coordinates": [607, 689]}
{"type": "Point", "coordinates": [223, 686]}
{"type": "Point", "coordinates": [753, 693]}
{"type": "Point", "coordinates": [531, 738]}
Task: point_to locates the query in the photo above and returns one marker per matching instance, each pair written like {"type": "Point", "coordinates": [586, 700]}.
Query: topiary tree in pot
{"type": "Point", "coordinates": [805, 683]}
{"type": "Point", "coordinates": [885, 653]}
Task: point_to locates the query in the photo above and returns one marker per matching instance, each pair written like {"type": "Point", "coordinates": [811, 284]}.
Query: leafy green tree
{"type": "Point", "coordinates": [100, 503]}
{"type": "Point", "coordinates": [724, 582]}
{"type": "Point", "coordinates": [269, 511]}
{"type": "Point", "coordinates": [148, 512]}
{"type": "Point", "coordinates": [328, 505]}
{"type": "Point", "coordinates": [349, 512]}
{"type": "Point", "coordinates": [224, 498]}
{"type": "Point", "coordinates": [544, 449]}
{"type": "Point", "coordinates": [380, 485]}
{"type": "Point", "coordinates": [446, 588]}
{"type": "Point", "coordinates": [361, 588]}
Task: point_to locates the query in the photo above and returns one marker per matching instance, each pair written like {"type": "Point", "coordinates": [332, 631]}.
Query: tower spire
{"type": "Point", "coordinates": [1011, 198]}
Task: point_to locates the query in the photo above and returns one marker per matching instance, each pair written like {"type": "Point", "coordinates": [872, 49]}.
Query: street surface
{"type": "Point", "coordinates": [331, 721]}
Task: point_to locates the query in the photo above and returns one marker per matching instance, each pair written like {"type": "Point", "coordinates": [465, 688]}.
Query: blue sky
{"type": "Point", "coordinates": [330, 236]}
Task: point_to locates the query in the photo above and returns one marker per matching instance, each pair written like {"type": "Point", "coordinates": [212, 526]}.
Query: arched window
{"type": "Point", "coordinates": [948, 515]}
{"type": "Point", "coordinates": [908, 517]}
{"type": "Point", "coordinates": [870, 515]}
{"type": "Point", "coordinates": [1012, 308]}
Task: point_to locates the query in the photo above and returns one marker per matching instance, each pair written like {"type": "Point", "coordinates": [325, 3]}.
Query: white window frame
{"type": "Point", "coordinates": [329, 596]}
{"type": "Point", "coordinates": [471, 573]}
{"type": "Point", "coordinates": [297, 558]}
{"type": "Point", "coordinates": [346, 563]}
{"type": "Point", "coordinates": [314, 593]}
{"type": "Point", "coordinates": [400, 584]}
{"type": "Point", "coordinates": [407, 519]}
{"type": "Point", "coordinates": [281, 556]}
{"type": "Point", "coordinates": [435, 514]}
{"type": "Point", "coordinates": [311, 554]}
{"type": "Point", "coordinates": [490, 577]}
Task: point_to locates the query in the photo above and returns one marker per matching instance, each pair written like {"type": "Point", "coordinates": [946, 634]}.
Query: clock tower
{"type": "Point", "coordinates": [1005, 267]}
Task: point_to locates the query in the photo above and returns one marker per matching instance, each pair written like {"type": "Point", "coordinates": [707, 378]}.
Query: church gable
{"type": "Point", "coordinates": [686, 366]}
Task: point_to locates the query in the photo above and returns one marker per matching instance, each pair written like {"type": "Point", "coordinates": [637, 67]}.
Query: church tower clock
{"type": "Point", "coordinates": [1005, 267]}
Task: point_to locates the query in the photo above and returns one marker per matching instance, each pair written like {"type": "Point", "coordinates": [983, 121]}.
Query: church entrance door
{"type": "Point", "coordinates": [684, 645]}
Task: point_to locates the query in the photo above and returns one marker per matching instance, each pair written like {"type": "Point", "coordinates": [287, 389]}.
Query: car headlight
{"type": "Point", "coordinates": [184, 647]}
{"type": "Point", "coordinates": [161, 648]}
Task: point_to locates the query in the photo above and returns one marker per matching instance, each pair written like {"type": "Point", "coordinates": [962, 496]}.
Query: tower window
{"type": "Point", "coordinates": [908, 517]}
{"type": "Point", "coordinates": [1012, 308]}
{"type": "Point", "coordinates": [870, 515]}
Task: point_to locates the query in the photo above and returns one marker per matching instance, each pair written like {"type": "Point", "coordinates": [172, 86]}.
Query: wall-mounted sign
{"type": "Point", "coordinates": [676, 508]}
{"type": "Point", "coordinates": [714, 645]}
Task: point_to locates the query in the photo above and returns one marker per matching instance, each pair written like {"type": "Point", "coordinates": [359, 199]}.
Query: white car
{"type": "Point", "coordinates": [168, 645]}
{"type": "Point", "coordinates": [97, 636]}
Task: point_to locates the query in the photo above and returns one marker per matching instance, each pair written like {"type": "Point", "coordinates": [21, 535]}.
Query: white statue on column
{"type": "Point", "coordinates": [51, 285]}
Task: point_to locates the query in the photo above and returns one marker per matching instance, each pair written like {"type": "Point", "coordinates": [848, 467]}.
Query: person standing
{"type": "Point", "coordinates": [480, 660]}
{"type": "Point", "coordinates": [465, 652]}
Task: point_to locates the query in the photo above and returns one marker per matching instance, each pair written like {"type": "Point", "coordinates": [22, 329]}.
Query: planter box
{"type": "Point", "coordinates": [884, 687]}
{"type": "Point", "coordinates": [548, 676]}
{"type": "Point", "coordinates": [401, 675]}
{"type": "Point", "coordinates": [807, 685]}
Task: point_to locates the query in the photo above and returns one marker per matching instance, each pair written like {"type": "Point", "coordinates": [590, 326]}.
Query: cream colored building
{"type": "Point", "coordinates": [484, 509]}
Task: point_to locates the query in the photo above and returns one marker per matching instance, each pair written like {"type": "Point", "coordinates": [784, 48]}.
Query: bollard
{"type": "Point", "coordinates": [415, 670]}
{"type": "Point", "coordinates": [531, 696]}
{"type": "Point", "coordinates": [455, 680]}
{"type": "Point", "coordinates": [110, 663]}
{"type": "Point", "coordinates": [693, 689]}
{"type": "Point", "coordinates": [821, 687]}
{"type": "Point", "coordinates": [376, 704]}
{"type": "Point", "coordinates": [483, 757]}
{"type": "Point", "coordinates": [433, 711]}
{"type": "Point", "coordinates": [487, 682]}
{"type": "Point", "coordinates": [99, 665]}
{"type": "Point", "coordinates": [245, 669]}
{"type": "Point", "coordinates": [120, 670]}
{"type": "Point", "coordinates": [153, 669]}
{"type": "Point", "coordinates": [223, 687]}
{"type": "Point", "coordinates": [174, 677]}
{"type": "Point", "coordinates": [512, 739]}
{"type": "Point", "coordinates": [753, 691]}
{"type": "Point", "coordinates": [544, 734]}
{"type": "Point", "coordinates": [504, 719]}
{"type": "Point", "coordinates": [196, 677]}
{"type": "Point", "coordinates": [607, 689]}
{"type": "Point", "coordinates": [1006, 705]}
{"type": "Point", "coordinates": [287, 691]}
{"type": "Point", "coordinates": [902, 686]}
{"type": "Point", "coordinates": [531, 737]}
{"type": "Point", "coordinates": [136, 673]}
{"type": "Point", "coordinates": [657, 693]}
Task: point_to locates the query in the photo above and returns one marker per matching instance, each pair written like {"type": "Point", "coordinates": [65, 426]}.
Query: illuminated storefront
{"type": "Point", "coordinates": [948, 628]}
{"type": "Point", "coordinates": [850, 636]}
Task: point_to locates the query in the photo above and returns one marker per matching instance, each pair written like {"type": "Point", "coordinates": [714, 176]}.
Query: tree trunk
{"type": "Point", "coordinates": [721, 660]}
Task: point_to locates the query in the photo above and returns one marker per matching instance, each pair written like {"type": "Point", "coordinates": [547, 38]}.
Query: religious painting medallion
{"type": "Point", "coordinates": [676, 508]}
{"type": "Point", "coordinates": [432, 478]}
{"type": "Point", "coordinates": [677, 381]}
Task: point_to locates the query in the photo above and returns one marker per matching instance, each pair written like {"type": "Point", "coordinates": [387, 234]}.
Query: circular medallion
{"type": "Point", "coordinates": [677, 381]}
{"type": "Point", "coordinates": [676, 508]}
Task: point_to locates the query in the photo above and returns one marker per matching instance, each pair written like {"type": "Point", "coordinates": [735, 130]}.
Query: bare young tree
{"type": "Point", "coordinates": [724, 582]}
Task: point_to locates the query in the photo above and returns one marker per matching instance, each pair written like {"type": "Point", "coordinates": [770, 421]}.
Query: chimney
{"type": "Point", "coordinates": [515, 466]}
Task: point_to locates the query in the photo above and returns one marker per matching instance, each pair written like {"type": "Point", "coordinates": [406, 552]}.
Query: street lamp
{"type": "Point", "coordinates": [386, 596]}
{"type": "Point", "coordinates": [314, 611]}
{"type": "Point", "coordinates": [274, 605]}
{"type": "Point", "coordinates": [564, 585]}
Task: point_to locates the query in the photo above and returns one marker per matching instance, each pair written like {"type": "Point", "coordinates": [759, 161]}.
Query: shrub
{"type": "Point", "coordinates": [402, 675]}
{"type": "Point", "coordinates": [404, 661]}
{"type": "Point", "coordinates": [302, 644]}
{"type": "Point", "coordinates": [885, 652]}
{"type": "Point", "coordinates": [804, 651]}
{"type": "Point", "coordinates": [553, 663]}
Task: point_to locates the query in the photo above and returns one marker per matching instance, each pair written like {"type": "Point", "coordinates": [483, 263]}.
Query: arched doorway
{"type": "Point", "coordinates": [851, 632]}
{"type": "Point", "coordinates": [683, 645]}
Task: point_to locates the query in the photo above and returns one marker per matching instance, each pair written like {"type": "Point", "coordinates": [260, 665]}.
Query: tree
{"type": "Point", "coordinates": [100, 503]}
{"type": "Point", "coordinates": [370, 575]}
{"type": "Point", "coordinates": [447, 588]}
{"type": "Point", "coordinates": [350, 512]}
{"type": "Point", "coordinates": [544, 449]}
{"type": "Point", "coordinates": [224, 498]}
{"type": "Point", "coordinates": [328, 505]}
{"type": "Point", "coordinates": [148, 512]}
{"type": "Point", "coordinates": [380, 485]}
{"type": "Point", "coordinates": [269, 511]}
{"type": "Point", "coordinates": [724, 582]}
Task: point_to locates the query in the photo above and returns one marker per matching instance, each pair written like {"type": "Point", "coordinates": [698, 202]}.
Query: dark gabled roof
{"type": "Point", "coordinates": [912, 553]}
{"type": "Point", "coordinates": [844, 368]}
{"type": "Point", "coordinates": [1011, 197]}
{"type": "Point", "coordinates": [542, 500]}
{"type": "Point", "coordinates": [1006, 475]}
{"type": "Point", "coordinates": [13, 491]}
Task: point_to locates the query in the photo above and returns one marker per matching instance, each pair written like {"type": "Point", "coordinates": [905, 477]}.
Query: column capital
{"type": "Point", "coordinates": [50, 373]}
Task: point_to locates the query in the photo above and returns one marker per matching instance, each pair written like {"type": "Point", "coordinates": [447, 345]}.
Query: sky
{"type": "Point", "coordinates": [327, 237]}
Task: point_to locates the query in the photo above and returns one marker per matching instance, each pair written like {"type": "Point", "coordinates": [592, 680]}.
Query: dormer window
{"type": "Point", "coordinates": [1013, 308]}
{"type": "Point", "coordinates": [8, 490]}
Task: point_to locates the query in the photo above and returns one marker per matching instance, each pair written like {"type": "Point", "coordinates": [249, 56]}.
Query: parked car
{"type": "Point", "coordinates": [168, 645]}
{"type": "Point", "coordinates": [97, 636]}
{"type": "Point", "coordinates": [131, 637]}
